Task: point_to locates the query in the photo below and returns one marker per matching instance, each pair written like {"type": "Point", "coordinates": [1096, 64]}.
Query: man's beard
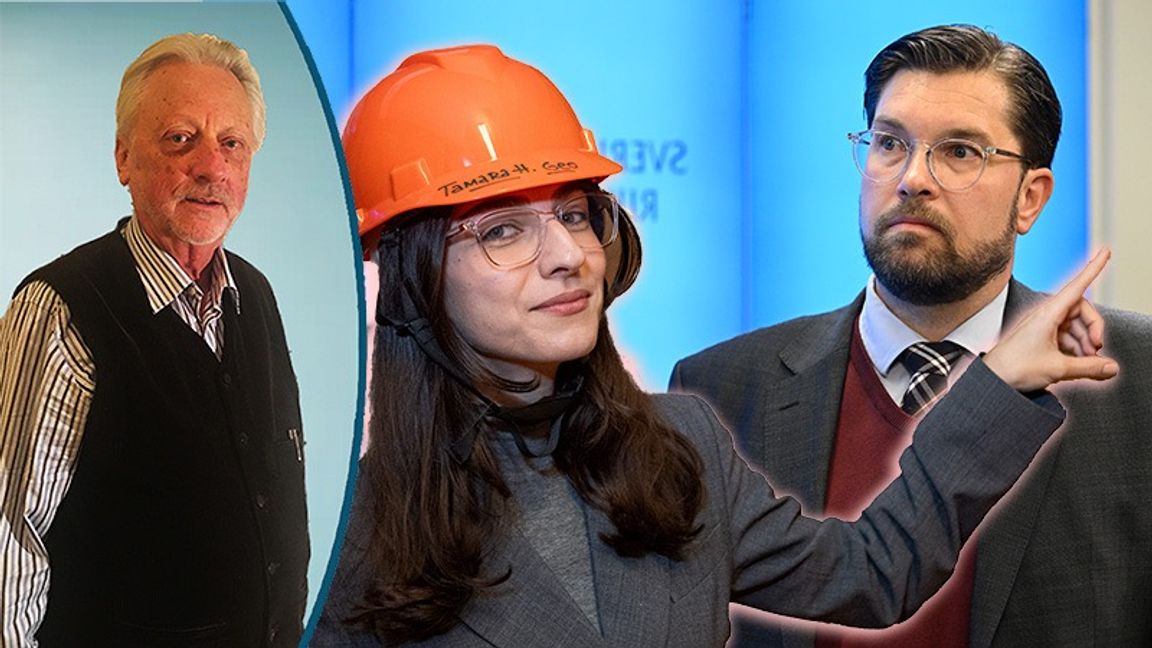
{"type": "Point", "coordinates": [933, 277]}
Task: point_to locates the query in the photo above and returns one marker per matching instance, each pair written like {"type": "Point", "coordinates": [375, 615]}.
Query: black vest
{"type": "Point", "coordinates": [185, 522]}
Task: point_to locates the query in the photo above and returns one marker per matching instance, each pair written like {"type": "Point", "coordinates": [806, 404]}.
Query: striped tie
{"type": "Point", "coordinates": [928, 363]}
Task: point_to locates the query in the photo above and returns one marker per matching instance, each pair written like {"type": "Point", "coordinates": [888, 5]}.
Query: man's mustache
{"type": "Point", "coordinates": [207, 194]}
{"type": "Point", "coordinates": [914, 210]}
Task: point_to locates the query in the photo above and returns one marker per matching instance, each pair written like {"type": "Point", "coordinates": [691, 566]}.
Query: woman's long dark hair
{"type": "Point", "coordinates": [435, 516]}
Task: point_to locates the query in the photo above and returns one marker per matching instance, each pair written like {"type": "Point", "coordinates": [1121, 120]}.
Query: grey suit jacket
{"type": "Point", "coordinates": [1066, 560]}
{"type": "Point", "coordinates": [754, 547]}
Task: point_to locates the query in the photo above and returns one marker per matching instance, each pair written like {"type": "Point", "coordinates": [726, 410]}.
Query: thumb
{"type": "Point", "coordinates": [1091, 367]}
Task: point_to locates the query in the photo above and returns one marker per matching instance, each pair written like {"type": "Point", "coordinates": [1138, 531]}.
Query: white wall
{"type": "Point", "coordinates": [1120, 51]}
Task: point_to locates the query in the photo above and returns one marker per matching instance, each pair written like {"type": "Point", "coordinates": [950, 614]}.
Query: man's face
{"type": "Point", "coordinates": [927, 245]}
{"type": "Point", "coordinates": [186, 155]}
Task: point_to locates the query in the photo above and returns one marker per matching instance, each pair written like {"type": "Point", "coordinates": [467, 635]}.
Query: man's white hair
{"type": "Point", "coordinates": [205, 49]}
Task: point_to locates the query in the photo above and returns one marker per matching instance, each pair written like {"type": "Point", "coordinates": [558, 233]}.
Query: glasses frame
{"type": "Point", "coordinates": [471, 225]}
{"type": "Point", "coordinates": [986, 152]}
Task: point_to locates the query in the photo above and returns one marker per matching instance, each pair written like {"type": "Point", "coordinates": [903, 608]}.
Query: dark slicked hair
{"type": "Point", "coordinates": [1034, 109]}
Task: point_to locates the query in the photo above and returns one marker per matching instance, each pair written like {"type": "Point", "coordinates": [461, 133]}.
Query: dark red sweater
{"type": "Point", "coordinates": [871, 434]}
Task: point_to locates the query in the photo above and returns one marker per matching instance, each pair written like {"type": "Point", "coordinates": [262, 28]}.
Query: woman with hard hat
{"type": "Point", "coordinates": [519, 490]}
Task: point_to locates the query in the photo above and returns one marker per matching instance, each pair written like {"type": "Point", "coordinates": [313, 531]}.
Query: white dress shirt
{"type": "Point", "coordinates": [886, 337]}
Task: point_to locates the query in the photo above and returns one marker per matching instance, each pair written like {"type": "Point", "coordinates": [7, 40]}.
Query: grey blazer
{"type": "Point", "coordinates": [754, 546]}
{"type": "Point", "coordinates": [1065, 561]}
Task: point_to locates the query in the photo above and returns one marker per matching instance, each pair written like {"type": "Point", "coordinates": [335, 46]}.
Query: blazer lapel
{"type": "Point", "coordinates": [1004, 537]}
{"type": "Point", "coordinates": [632, 593]}
{"type": "Point", "coordinates": [531, 608]}
{"type": "Point", "coordinates": [802, 410]}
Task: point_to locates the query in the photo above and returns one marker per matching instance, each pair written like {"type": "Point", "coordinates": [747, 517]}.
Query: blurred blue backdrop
{"type": "Point", "coordinates": [693, 98]}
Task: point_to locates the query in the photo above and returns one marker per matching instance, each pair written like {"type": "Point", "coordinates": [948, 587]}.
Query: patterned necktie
{"type": "Point", "coordinates": [928, 363]}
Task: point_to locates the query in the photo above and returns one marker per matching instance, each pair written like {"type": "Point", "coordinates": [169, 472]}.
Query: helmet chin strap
{"type": "Point", "coordinates": [409, 322]}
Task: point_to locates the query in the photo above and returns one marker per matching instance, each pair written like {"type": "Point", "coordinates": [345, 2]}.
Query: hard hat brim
{"type": "Point", "coordinates": [493, 178]}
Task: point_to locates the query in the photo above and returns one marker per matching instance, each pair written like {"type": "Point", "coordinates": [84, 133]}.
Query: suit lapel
{"type": "Point", "coordinates": [632, 593]}
{"type": "Point", "coordinates": [801, 411]}
{"type": "Point", "coordinates": [531, 608]}
{"type": "Point", "coordinates": [1004, 537]}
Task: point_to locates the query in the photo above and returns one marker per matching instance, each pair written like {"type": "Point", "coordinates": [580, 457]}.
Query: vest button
{"type": "Point", "coordinates": [226, 378]}
{"type": "Point", "coordinates": [261, 501]}
{"type": "Point", "coordinates": [272, 567]}
{"type": "Point", "coordinates": [272, 634]}
{"type": "Point", "coordinates": [243, 439]}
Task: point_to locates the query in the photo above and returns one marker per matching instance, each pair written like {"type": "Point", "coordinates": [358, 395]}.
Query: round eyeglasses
{"type": "Point", "coordinates": [955, 164]}
{"type": "Point", "coordinates": [514, 235]}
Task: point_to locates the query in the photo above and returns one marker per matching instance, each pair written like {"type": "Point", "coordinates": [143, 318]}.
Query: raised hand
{"type": "Point", "coordinates": [1058, 340]}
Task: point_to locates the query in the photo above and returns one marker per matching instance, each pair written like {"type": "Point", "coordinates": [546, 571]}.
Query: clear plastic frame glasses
{"type": "Point", "coordinates": [956, 164]}
{"type": "Point", "coordinates": [514, 235]}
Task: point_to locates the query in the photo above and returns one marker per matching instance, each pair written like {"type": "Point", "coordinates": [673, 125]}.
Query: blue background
{"type": "Point", "coordinates": [696, 98]}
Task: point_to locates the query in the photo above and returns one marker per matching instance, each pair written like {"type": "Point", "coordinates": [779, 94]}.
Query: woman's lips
{"type": "Point", "coordinates": [566, 303]}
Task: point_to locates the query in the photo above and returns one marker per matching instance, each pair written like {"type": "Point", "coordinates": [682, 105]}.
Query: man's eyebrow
{"type": "Point", "coordinates": [173, 120]}
{"type": "Point", "coordinates": [958, 132]}
{"type": "Point", "coordinates": [889, 123]}
{"type": "Point", "coordinates": [234, 131]}
{"type": "Point", "coordinates": [976, 134]}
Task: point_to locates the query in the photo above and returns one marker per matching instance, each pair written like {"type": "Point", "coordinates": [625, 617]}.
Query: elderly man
{"type": "Point", "coordinates": [955, 164]}
{"type": "Point", "coordinates": [151, 473]}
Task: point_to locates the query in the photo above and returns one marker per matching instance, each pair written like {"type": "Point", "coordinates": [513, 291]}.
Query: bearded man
{"type": "Point", "coordinates": [955, 164]}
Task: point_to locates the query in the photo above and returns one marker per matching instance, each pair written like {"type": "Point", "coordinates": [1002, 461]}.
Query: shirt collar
{"type": "Point", "coordinates": [164, 278]}
{"type": "Point", "coordinates": [885, 337]}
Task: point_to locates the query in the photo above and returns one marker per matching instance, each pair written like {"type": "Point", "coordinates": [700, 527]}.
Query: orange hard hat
{"type": "Point", "coordinates": [455, 125]}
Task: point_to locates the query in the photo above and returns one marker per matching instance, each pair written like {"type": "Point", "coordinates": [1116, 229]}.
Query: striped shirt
{"type": "Point", "coordinates": [47, 379]}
